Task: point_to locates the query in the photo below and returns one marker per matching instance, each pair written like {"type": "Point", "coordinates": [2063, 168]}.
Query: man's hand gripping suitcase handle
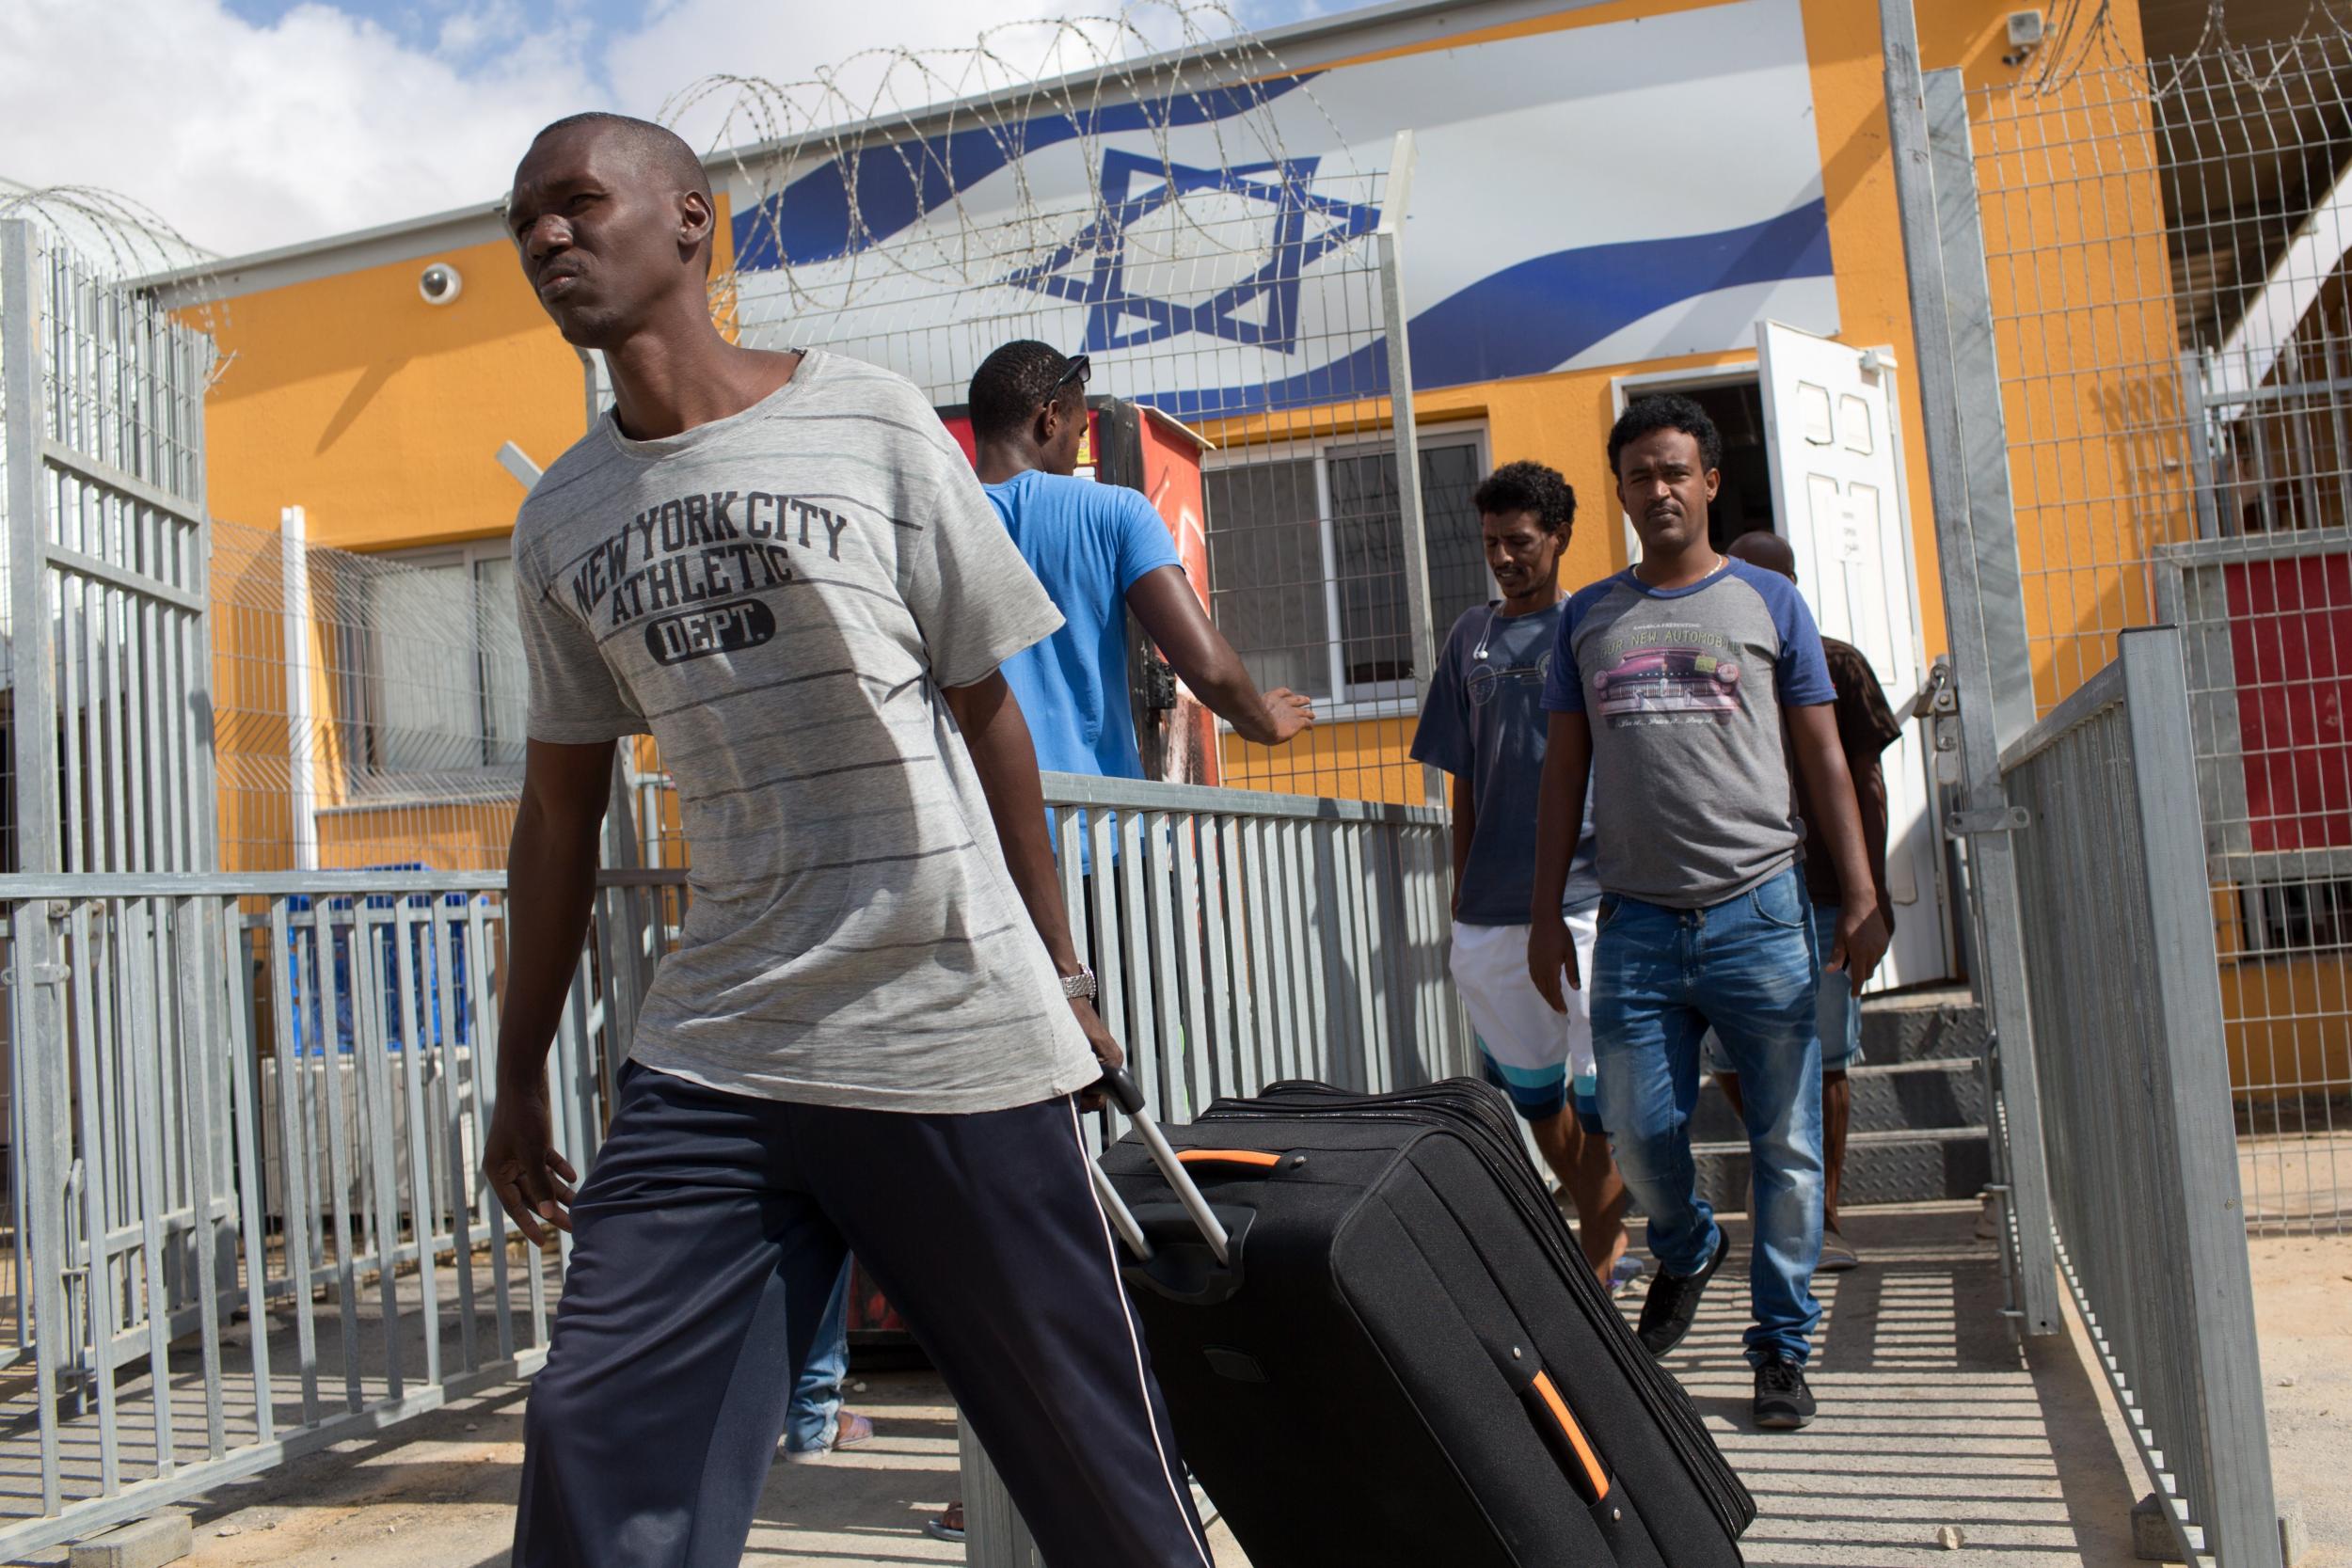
{"type": "Point", "coordinates": [1123, 1092]}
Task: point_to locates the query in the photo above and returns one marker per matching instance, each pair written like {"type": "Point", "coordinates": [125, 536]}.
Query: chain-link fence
{"type": "Point", "coordinates": [2165, 246]}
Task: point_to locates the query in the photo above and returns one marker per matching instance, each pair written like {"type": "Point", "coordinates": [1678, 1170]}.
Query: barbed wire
{"type": "Point", "coordinates": [118, 239]}
{"type": "Point", "coordinates": [2086, 36]}
{"type": "Point", "coordinates": [914, 106]}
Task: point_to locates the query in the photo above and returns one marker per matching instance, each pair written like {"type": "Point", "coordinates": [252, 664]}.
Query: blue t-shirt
{"type": "Point", "coordinates": [1484, 723]}
{"type": "Point", "coordinates": [1089, 543]}
{"type": "Point", "coordinates": [1684, 689]}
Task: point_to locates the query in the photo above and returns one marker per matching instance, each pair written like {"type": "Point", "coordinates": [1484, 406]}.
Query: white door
{"type": "Point", "coordinates": [1838, 490]}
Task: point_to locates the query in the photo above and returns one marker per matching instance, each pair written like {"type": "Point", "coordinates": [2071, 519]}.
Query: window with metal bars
{"type": "Point", "coordinates": [432, 670]}
{"type": "Point", "coordinates": [1307, 565]}
{"type": "Point", "coordinates": [2297, 917]}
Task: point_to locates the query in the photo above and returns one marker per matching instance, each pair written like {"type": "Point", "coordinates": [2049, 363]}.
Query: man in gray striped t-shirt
{"type": "Point", "coordinates": [874, 1028]}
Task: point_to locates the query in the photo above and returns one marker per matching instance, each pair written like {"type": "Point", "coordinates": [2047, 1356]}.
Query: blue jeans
{"type": "Point", "coordinates": [1746, 966]}
{"type": "Point", "coordinates": [1837, 1012]}
{"type": "Point", "coordinates": [809, 1421]}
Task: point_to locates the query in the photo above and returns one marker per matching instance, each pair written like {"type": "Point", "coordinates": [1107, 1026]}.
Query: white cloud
{"type": "Point", "coordinates": [245, 136]}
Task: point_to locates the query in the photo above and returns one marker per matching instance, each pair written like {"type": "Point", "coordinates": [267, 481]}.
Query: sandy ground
{"type": "Point", "coordinates": [1931, 1415]}
{"type": "Point", "coordinates": [2303, 1312]}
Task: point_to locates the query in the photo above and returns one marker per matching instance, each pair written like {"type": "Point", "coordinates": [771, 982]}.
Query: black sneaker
{"type": "Point", "coordinates": [1674, 1301]}
{"type": "Point", "coordinates": [1783, 1402]}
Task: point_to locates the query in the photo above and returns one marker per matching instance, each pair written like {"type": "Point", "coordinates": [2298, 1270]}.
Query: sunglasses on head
{"type": "Point", "coordinates": [1077, 371]}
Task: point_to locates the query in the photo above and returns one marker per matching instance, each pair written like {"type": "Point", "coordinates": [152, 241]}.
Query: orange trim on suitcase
{"type": "Point", "coordinates": [1229, 1157]}
{"type": "Point", "coordinates": [1559, 1408]}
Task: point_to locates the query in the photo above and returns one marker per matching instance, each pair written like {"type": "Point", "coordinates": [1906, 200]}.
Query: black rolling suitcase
{"type": "Point", "coordinates": [1402, 1359]}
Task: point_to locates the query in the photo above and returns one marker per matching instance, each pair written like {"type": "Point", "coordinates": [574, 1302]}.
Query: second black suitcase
{"type": "Point", "coordinates": [1403, 1360]}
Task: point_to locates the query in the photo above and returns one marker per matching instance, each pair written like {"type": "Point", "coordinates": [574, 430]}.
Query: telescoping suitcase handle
{"type": "Point", "coordinates": [1123, 1092]}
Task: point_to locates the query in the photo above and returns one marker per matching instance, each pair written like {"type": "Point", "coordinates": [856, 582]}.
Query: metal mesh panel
{"type": "Point", "coordinates": [369, 711]}
{"type": "Point", "coordinates": [2165, 246]}
{"type": "Point", "coordinates": [1245, 290]}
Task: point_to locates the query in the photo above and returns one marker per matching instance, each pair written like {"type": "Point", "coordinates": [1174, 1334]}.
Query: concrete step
{"type": "Point", "coordinates": [1923, 1166]}
{"type": "Point", "coordinates": [1940, 1024]}
{"type": "Point", "coordinates": [1907, 1097]}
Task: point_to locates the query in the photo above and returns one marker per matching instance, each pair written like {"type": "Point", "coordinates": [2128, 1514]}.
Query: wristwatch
{"type": "Point", "coordinates": [1079, 986]}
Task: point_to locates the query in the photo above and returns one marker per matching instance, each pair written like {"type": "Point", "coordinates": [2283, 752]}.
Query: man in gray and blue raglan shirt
{"type": "Point", "coordinates": [1671, 685]}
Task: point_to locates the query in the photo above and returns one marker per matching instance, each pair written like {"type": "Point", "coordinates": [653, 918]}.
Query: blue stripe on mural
{"type": "Point", "coordinates": [899, 183]}
{"type": "Point", "coordinates": [1534, 317]}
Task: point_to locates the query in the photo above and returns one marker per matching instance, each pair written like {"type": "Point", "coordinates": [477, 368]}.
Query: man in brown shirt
{"type": "Point", "coordinates": [1865, 727]}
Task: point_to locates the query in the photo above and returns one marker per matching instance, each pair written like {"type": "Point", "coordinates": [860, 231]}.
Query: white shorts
{"type": "Point", "coordinates": [1529, 1041]}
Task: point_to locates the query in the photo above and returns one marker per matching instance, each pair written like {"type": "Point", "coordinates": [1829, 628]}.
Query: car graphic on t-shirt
{"type": "Point", "coordinates": [1669, 682]}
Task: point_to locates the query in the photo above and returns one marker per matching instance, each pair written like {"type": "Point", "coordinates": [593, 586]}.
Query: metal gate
{"type": "Point", "coordinates": [2062, 265]}
{"type": "Point", "coordinates": [247, 1109]}
{"type": "Point", "coordinates": [108, 754]}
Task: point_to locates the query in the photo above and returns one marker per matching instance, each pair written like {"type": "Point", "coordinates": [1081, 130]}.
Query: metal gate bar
{"type": "Point", "coordinates": [172, 1196]}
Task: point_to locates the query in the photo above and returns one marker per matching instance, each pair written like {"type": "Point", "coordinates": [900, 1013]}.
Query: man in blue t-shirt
{"type": "Point", "coordinates": [1484, 724]}
{"type": "Point", "coordinates": [1100, 550]}
{"type": "Point", "coordinates": [1670, 685]}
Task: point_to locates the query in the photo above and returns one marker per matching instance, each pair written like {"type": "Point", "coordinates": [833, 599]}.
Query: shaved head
{"type": "Point", "coordinates": [657, 149]}
{"type": "Point", "coordinates": [1767, 549]}
{"type": "Point", "coordinates": [613, 220]}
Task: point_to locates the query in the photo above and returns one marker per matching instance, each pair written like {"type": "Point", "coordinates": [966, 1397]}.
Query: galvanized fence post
{"type": "Point", "coordinates": [1411, 522]}
{"type": "Point", "coordinates": [25, 506]}
{"type": "Point", "coordinates": [2243, 1531]}
{"type": "Point", "coordinates": [995, 1534]}
{"type": "Point", "coordinates": [1977, 550]}
{"type": "Point", "coordinates": [36, 1036]}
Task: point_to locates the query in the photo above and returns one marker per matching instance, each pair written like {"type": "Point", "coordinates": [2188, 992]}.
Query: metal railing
{"type": "Point", "coordinates": [253, 1109]}
{"type": "Point", "coordinates": [1319, 947]}
{"type": "Point", "coordinates": [252, 1218]}
{"type": "Point", "coordinates": [1242, 937]}
{"type": "Point", "coordinates": [2135, 1091]}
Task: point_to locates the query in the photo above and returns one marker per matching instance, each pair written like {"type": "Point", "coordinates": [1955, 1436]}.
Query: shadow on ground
{"type": "Point", "coordinates": [1931, 1415]}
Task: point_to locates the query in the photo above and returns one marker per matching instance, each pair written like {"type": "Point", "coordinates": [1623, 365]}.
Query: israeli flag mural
{"type": "Point", "coordinates": [1592, 195]}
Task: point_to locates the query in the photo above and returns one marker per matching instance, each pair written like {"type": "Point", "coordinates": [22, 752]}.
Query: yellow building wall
{"type": "Point", "coordinates": [381, 417]}
{"type": "Point", "coordinates": [1563, 420]}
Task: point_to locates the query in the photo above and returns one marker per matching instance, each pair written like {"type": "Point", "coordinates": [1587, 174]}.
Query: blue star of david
{"type": "Point", "coordinates": [1118, 320]}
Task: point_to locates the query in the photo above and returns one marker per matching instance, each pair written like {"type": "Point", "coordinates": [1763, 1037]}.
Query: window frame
{"type": "Point", "coordinates": [1363, 699]}
{"type": "Point", "coordinates": [379, 786]}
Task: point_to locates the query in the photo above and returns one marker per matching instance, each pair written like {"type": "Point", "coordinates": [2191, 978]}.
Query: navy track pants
{"type": "Point", "coordinates": [705, 1240]}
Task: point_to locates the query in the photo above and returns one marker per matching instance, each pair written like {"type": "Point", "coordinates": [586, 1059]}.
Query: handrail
{"type": "Point", "coordinates": [244, 884]}
{"type": "Point", "coordinates": [1079, 789]}
{"type": "Point", "coordinates": [2088, 701]}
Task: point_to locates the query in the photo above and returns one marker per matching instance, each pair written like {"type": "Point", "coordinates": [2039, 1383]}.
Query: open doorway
{"type": "Point", "coordinates": [1811, 452]}
{"type": "Point", "coordinates": [1734, 399]}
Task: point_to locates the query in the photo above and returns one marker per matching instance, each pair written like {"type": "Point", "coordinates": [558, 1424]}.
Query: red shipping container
{"type": "Point", "coordinates": [2291, 643]}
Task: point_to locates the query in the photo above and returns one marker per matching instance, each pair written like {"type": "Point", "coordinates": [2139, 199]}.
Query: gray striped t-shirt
{"type": "Point", "coordinates": [778, 598]}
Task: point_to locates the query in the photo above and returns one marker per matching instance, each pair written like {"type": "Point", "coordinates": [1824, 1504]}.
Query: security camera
{"type": "Point", "coordinates": [2025, 32]}
{"type": "Point", "coordinates": [439, 283]}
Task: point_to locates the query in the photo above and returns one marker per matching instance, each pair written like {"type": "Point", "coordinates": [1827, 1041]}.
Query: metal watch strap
{"type": "Point", "coordinates": [1080, 985]}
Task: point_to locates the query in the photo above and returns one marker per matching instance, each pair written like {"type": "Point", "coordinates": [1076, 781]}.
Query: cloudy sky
{"type": "Point", "coordinates": [253, 123]}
